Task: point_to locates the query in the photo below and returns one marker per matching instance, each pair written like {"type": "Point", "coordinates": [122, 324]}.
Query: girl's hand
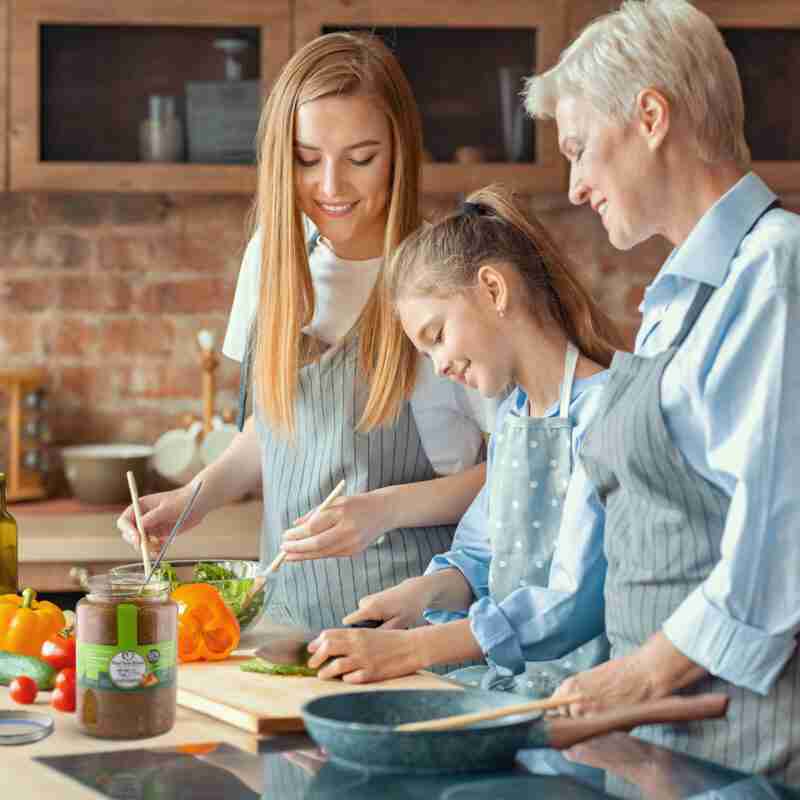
{"type": "Point", "coordinates": [360, 655]}
{"type": "Point", "coordinates": [399, 607]}
{"type": "Point", "coordinates": [347, 527]}
{"type": "Point", "coordinates": [160, 512]}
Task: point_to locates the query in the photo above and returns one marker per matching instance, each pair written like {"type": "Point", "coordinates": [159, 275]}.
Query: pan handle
{"type": "Point", "coordinates": [561, 733]}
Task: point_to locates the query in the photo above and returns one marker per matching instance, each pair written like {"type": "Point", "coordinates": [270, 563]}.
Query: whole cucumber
{"type": "Point", "coordinates": [12, 665]}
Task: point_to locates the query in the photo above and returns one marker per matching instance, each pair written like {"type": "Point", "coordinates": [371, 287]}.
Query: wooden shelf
{"type": "Point", "coordinates": [28, 20]}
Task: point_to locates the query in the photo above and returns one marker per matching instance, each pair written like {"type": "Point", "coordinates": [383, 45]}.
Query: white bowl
{"type": "Point", "coordinates": [97, 472]}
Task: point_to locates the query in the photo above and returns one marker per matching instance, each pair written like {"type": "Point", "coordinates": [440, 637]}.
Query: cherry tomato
{"type": "Point", "coordinates": [23, 689]}
{"type": "Point", "coordinates": [63, 698]}
{"type": "Point", "coordinates": [66, 679]}
{"type": "Point", "coordinates": [59, 651]}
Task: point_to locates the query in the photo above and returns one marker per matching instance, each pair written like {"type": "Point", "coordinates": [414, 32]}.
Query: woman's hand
{"type": "Point", "coordinates": [398, 607]}
{"type": "Point", "coordinates": [361, 655]}
{"type": "Point", "coordinates": [160, 512]}
{"type": "Point", "coordinates": [620, 681]}
{"type": "Point", "coordinates": [654, 670]}
{"type": "Point", "coordinates": [347, 527]}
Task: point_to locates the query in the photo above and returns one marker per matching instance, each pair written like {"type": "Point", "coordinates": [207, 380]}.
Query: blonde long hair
{"type": "Point", "coordinates": [343, 64]}
{"type": "Point", "coordinates": [444, 259]}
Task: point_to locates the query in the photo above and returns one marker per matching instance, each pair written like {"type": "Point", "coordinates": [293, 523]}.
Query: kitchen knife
{"type": "Point", "coordinates": [290, 648]}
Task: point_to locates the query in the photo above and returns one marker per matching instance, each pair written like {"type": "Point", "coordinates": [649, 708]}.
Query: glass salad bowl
{"type": "Point", "coordinates": [242, 584]}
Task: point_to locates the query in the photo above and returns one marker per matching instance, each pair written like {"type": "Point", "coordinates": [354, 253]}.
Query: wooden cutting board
{"type": "Point", "coordinates": [265, 704]}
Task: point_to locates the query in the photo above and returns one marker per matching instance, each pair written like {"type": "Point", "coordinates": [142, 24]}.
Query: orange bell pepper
{"type": "Point", "coordinates": [26, 622]}
{"type": "Point", "coordinates": [207, 629]}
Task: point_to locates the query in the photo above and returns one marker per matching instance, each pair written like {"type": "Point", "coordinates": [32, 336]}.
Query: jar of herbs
{"type": "Point", "coordinates": [126, 658]}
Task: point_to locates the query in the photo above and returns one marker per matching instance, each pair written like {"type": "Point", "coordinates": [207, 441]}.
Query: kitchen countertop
{"type": "Point", "coordinates": [59, 530]}
{"type": "Point", "coordinates": [203, 759]}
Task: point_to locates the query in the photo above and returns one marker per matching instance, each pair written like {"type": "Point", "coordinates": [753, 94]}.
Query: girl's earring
{"type": "Point", "coordinates": [501, 312]}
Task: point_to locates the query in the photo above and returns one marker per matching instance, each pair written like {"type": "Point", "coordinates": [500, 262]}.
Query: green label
{"type": "Point", "coordinates": [126, 666]}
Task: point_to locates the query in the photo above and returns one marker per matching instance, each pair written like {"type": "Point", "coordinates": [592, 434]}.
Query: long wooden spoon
{"type": "Point", "coordinates": [464, 720]}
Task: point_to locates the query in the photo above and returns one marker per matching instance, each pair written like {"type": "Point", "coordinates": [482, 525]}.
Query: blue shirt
{"type": "Point", "coordinates": [501, 629]}
{"type": "Point", "coordinates": [728, 399]}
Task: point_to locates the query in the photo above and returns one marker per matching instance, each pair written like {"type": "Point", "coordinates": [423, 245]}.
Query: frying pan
{"type": "Point", "coordinates": [357, 728]}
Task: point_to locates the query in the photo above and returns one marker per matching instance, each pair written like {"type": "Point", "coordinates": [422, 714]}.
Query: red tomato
{"type": "Point", "coordinates": [59, 651]}
{"type": "Point", "coordinates": [23, 689]}
{"type": "Point", "coordinates": [66, 679]}
{"type": "Point", "coordinates": [63, 698]}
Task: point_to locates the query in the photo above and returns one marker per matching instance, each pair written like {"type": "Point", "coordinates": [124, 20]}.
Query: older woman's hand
{"type": "Point", "coordinates": [656, 669]}
{"type": "Point", "coordinates": [359, 655]}
{"type": "Point", "coordinates": [348, 526]}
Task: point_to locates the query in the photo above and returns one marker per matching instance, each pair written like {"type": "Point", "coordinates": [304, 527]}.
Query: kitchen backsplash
{"type": "Point", "coordinates": [107, 292]}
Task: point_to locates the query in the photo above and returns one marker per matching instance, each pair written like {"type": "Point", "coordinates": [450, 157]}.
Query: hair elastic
{"type": "Point", "coordinates": [473, 209]}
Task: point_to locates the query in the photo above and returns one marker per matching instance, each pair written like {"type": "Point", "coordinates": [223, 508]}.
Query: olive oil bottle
{"type": "Point", "coordinates": [8, 544]}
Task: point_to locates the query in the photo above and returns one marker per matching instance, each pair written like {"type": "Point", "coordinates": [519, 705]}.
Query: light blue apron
{"type": "Point", "coordinates": [530, 473]}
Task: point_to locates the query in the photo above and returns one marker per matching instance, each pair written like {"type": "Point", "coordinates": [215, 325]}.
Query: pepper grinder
{"type": "Point", "coordinates": [210, 361]}
{"type": "Point", "coordinates": [161, 134]}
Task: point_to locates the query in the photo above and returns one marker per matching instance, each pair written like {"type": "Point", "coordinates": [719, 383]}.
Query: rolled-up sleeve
{"type": "Point", "coordinates": [741, 622]}
{"type": "Point", "coordinates": [470, 555]}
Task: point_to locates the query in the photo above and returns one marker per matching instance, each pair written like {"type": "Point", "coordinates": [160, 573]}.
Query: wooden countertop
{"type": "Point", "coordinates": [27, 779]}
{"type": "Point", "coordinates": [61, 544]}
{"type": "Point", "coordinates": [229, 532]}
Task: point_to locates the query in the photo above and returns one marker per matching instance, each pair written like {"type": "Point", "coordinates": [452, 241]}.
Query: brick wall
{"type": "Point", "coordinates": [108, 292]}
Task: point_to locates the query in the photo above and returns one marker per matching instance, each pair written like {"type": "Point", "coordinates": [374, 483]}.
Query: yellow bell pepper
{"type": "Point", "coordinates": [26, 622]}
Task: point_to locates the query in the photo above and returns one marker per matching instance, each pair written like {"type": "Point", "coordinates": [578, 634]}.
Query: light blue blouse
{"type": "Point", "coordinates": [729, 401]}
{"type": "Point", "coordinates": [501, 628]}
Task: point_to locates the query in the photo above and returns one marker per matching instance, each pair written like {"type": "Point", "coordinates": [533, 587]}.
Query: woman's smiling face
{"type": "Point", "coordinates": [343, 167]}
{"type": "Point", "coordinates": [609, 170]}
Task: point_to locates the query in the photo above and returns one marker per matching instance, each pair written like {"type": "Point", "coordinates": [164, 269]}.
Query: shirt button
{"type": "Point", "coordinates": [534, 484]}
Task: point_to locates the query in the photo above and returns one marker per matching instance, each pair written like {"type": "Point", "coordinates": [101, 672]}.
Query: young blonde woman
{"type": "Point", "coordinates": [340, 144]}
{"type": "Point", "coordinates": [487, 296]}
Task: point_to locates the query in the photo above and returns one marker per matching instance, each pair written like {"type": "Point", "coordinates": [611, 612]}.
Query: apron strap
{"type": "Point", "coordinates": [570, 362]}
{"type": "Point", "coordinates": [246, 368]}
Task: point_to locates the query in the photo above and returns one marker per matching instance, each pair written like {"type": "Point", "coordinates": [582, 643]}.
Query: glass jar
{"type": "Point", "coordinates": [126, 658]}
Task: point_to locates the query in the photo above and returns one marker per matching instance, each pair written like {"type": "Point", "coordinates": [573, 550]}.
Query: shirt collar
{"type": "Point", "coordinates": [706, 254]}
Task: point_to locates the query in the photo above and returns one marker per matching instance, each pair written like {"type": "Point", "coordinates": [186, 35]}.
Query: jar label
{"type": "Point", "coordinates": [126, 666]}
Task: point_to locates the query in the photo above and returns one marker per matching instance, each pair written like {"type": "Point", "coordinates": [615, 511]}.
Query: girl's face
{"type": "Point", "coordinates": [462, 334]}
{"type": "Point", "coordinates": [343, 165]}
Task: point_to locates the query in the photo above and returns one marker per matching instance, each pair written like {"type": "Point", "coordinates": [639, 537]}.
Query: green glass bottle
{"type": "Point", "coordinates": [8, 544]}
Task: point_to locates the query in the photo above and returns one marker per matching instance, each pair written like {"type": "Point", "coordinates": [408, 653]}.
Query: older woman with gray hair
{"type": "Point", "coordinates": [692, 454]}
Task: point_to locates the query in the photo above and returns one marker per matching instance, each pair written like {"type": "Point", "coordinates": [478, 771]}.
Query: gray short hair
{"type": "Point", "coordinates": [667, 45]}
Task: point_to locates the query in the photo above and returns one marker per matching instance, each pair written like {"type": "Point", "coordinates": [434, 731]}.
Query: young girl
{"type": "Point", "coordinates": [487, 296]}
{"type": "Point", "coordinates": [340, 144]}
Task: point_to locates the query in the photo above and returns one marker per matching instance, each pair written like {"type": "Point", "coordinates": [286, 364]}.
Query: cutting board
{"type": "Point", "coordinates": [265, 704]}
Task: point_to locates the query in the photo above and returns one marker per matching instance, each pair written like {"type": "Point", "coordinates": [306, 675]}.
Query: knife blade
{"type": "Point", "coordinates": [290, 648]}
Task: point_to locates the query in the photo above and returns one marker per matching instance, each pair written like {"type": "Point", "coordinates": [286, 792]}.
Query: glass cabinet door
{"type": "Point", "coordinates": [150, 96]}
{"type": "Point", "coordinates": [466, 62]}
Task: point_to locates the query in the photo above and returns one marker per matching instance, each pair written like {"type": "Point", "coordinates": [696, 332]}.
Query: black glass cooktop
{"type": "Point", "coordinates": [291, 768]}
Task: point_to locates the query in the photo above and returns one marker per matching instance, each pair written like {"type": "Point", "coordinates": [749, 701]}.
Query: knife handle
{"type": "Point", "coordinates": [367, 623]}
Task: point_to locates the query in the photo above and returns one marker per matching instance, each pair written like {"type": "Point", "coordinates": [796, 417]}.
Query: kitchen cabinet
{"type": "Point", "coordinates": [465, 62]}
{"type": "Point", "coordinates": [3, 94]}
{"type": "Point", "coordinates": [81, 72]}
{"type": "Point", "coordinates": [58, 552]}
{"type": "Point", "coordinates": [765, 41]}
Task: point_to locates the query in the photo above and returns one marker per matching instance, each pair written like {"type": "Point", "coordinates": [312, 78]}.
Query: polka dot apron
{"type": "Point", "coordinates": [531, 468]}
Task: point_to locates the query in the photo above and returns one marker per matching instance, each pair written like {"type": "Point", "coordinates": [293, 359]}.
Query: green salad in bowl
{"type": "Point", "coordinates": [240, 583]}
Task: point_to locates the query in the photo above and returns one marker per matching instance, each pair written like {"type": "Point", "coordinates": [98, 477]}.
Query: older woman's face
{"type": "Point", "coordinates": [608, 170]}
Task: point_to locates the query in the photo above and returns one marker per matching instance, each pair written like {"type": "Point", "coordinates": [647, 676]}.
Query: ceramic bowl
{"type": "Point", "coordinates": [97, 472]}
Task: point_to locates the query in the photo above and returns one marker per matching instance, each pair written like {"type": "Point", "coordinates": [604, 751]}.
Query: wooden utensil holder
{"type": "Point", "coordinates": [25, 463]}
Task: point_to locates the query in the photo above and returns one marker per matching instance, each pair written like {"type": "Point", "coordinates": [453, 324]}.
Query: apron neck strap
{"type": "Point", "coordinates": [570, 362]}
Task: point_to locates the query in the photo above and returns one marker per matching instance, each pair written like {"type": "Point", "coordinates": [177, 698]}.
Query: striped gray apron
{"type": "Point", "coordinates": [663, 532]}
{"type": "Point", "coordinates": [299, 473]}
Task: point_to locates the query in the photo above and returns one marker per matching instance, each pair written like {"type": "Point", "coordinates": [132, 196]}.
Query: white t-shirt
{"type": "Point", "coordinates": [449, 417]}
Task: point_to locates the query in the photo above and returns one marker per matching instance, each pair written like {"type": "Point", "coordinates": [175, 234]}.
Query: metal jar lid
{"type": "Point", "coordinates": [24, 727]}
